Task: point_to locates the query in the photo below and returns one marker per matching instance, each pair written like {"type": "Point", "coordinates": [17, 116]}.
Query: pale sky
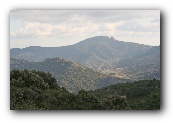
{"type": "Point", "coordinates": [52, 28]}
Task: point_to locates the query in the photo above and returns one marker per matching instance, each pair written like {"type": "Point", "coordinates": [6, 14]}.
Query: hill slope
{"type": "Point", "coordinates": [118, 58]}
{"type": "Point", "coordinates": [99, 48]}
{"type": "Point", "coordinates": [70, 75]}
{"type": "Point", "coordinates": [36, 90]}
{"type": "Point", "coordinates": [141, 95]}
{"type": "Point", "coordinates": [145, 66]}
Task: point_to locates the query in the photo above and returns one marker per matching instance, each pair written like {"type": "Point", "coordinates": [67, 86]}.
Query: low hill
{"type": "Point", "coordinates": [141, 95]}
{"type": "Point", "coordinates": [69, 75]}
{"type": "Point", "coordinates": [37, 90]}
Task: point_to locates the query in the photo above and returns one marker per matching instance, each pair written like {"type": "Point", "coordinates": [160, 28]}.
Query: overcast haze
{"type": "Point", "coordinates": [51, 28]}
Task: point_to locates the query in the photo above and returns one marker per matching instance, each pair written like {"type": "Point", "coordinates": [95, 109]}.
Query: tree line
{"type": "Point", "coordinates": [37, 90]}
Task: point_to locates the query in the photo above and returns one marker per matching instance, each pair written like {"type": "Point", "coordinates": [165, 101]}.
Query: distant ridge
{"type": "Point", "coordinates": [102, 53]}
{"type": "Point", "coordinates": [88, 48]}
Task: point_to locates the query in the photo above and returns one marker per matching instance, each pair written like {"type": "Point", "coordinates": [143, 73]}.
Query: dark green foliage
{"type": "Point", "coordinates": [86, 101]}
{"type": "Point", "coordinates": [149, 102]}
{"type": "Point", "coordinates": [28, 79]}
{"type": "Point", "coordinates": [141, 95]}
{"type": "Point", "coordinates": [26, 87]}
{"type": "Point", "coordinates": [36, 90]}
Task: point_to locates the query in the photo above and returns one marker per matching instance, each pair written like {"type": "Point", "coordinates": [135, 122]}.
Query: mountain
{"type": "Point", "coordinates": [70, 75]}
{"type": "Point", "coordinates": [117, 58]}
{"type": "Point", "coordinates": [99, 48]}
{"type": "Point", "coordinates": [145, 66]}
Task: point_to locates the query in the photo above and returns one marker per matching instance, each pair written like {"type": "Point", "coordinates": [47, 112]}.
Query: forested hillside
{"type": "Point", "coordinates": [110, 56]}
{"type": "Point", "coordinates": [69, 75]}
{"type": "Point", "coordinates": [38, 90]}
{"type": "Point", "coordinates": [98, 73]}
{"type": "Point", "coordinates": [101, 48]}
{"type": "Point", "coordinates": [145, 66]}
{"type": "Point", "coordinates": [141, 95]}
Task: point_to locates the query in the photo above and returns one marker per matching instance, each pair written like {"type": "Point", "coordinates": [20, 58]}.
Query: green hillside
{"type": "Point", "coordinates": [37, 90]}
{"type": "Point", "coordinates": [69, 75]}
{"type": "Point", "coordinates": [141, 95]}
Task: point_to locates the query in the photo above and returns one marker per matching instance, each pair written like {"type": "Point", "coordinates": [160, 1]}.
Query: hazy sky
{"type": "Point", "coordinates": [51, 28]}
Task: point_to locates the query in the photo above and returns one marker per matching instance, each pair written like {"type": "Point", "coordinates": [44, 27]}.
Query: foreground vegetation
{"type": "Point", "coordinates": [141, 95]}
{"type": "Point", "coordinates": [37, 90]}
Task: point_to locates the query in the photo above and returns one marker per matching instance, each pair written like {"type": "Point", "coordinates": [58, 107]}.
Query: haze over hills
{"type": "Point", "coordinates": [61, 63]}
{"type": "Point", "coordinates": [146, 66]}
{"type": "Point", "coordinates": [110, 56]}
{"type": "Point", "coordinates": [69, 75]}
{"type": "Point", "coordinates": [101, 48]}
